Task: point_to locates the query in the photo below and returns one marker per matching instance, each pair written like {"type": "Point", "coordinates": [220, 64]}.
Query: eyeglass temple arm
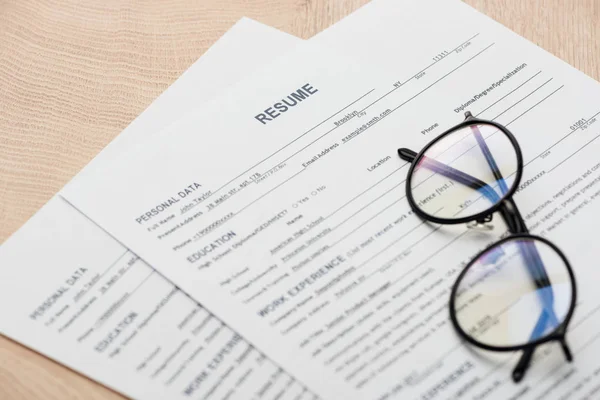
{"type": "Point", "coordinates": [488, 156]}
{"type": "Point", "coordinates": [525, 360]}
{"type": "Point", "coordinates": [533, 260]}
{"type": "Point", "coordinates": [519, 371]}
{"type": "Point", "coordinates": [538, 274]}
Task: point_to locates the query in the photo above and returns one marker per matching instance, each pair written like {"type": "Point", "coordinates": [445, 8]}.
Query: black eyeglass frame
{"type": "Point", "coordinates": [470, 120]}
{"type": "Point", "coordinates": [517, 229]}
{"type": "Point", "coordinates": [558, 334]}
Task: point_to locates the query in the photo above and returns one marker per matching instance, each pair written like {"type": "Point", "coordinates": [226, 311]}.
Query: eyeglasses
{"type": "Point", "coordinates": [518, 293]}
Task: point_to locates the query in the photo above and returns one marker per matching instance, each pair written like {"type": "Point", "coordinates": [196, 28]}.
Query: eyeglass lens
{"type": "Point", "coordinates": [465, 172]}
{"type": "Point", "coordinates": [516, 292]}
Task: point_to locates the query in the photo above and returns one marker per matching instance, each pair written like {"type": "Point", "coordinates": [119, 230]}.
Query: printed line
{"type": "Point", "coordinates": [235, 214]}
{"type": "Point", "coordinates": [90, 287]}
{"type": "Point", "coordinates": [587, 316]}
{"type": "Point", "coordinates": [114, 307]}
{"type": "Point", "coordinates": [268, 192]}
{"type": "Point", "coordinates": [355, 214]}
{"type": "Point", "coordinates": [495, 186]}
{"type": "Point", "coordinates": [287, 145]}
{"type": "Point", "coordinates": [575, 152]}
{"type": "Point", "coordinates": [443, 77]}
{"type": "Point", "coordinates": [563, 138]}
{"type": "Point", "coordinates": [514, 104]}
{"type": "Point", "coordinates": [531, 108]}
{"type": "Point", "coordinates": [345, 205]}
{"type": "Point", "coordinates": [535, 105]}
{"type": "Point", "coordinates": [508, 94]}
{"type": "Point", "coordinates": [414, 75]}
{"type": "Point", "coordinates": [465, 42]}
{"type": "Point", "coordinates": [371, 202]}
{"type": "Point", "coordinates": [579, 350]}
{"type": "Point", "coordinates": [364, 223]}
{"type": "Point", "coordinates": [438, 251]}
{"type": "Point", "coordinates": [421, 92]}
{"type": "Point", "coordinates": [414, 228]}
{"type": "Point", "coordinates": [366, 190]}
{"type": "Point", "coordinates": [378, 270]}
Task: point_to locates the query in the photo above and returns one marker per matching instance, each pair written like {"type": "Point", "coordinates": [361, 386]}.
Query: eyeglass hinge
{"type": "Point", "coordinates": [482, 223]}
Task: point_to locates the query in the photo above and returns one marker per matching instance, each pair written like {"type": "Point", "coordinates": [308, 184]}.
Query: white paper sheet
{"type": "Point", "coordinates": [291, 222]}
{"type": "Point", "coordinates": [73, 293]}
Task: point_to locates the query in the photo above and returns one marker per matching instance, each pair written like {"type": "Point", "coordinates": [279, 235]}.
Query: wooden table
{"type": "Point", "coordinates": [74, 73]}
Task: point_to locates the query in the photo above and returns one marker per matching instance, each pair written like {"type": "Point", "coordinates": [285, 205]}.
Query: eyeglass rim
{"type": "Point", "coordinates": [482, 214]}
{"type": "Point", "coordinates": [557, 334]}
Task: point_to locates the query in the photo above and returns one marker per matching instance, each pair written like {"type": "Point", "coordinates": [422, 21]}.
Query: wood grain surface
{"type": "Point", "coordinates": [74, 73]}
